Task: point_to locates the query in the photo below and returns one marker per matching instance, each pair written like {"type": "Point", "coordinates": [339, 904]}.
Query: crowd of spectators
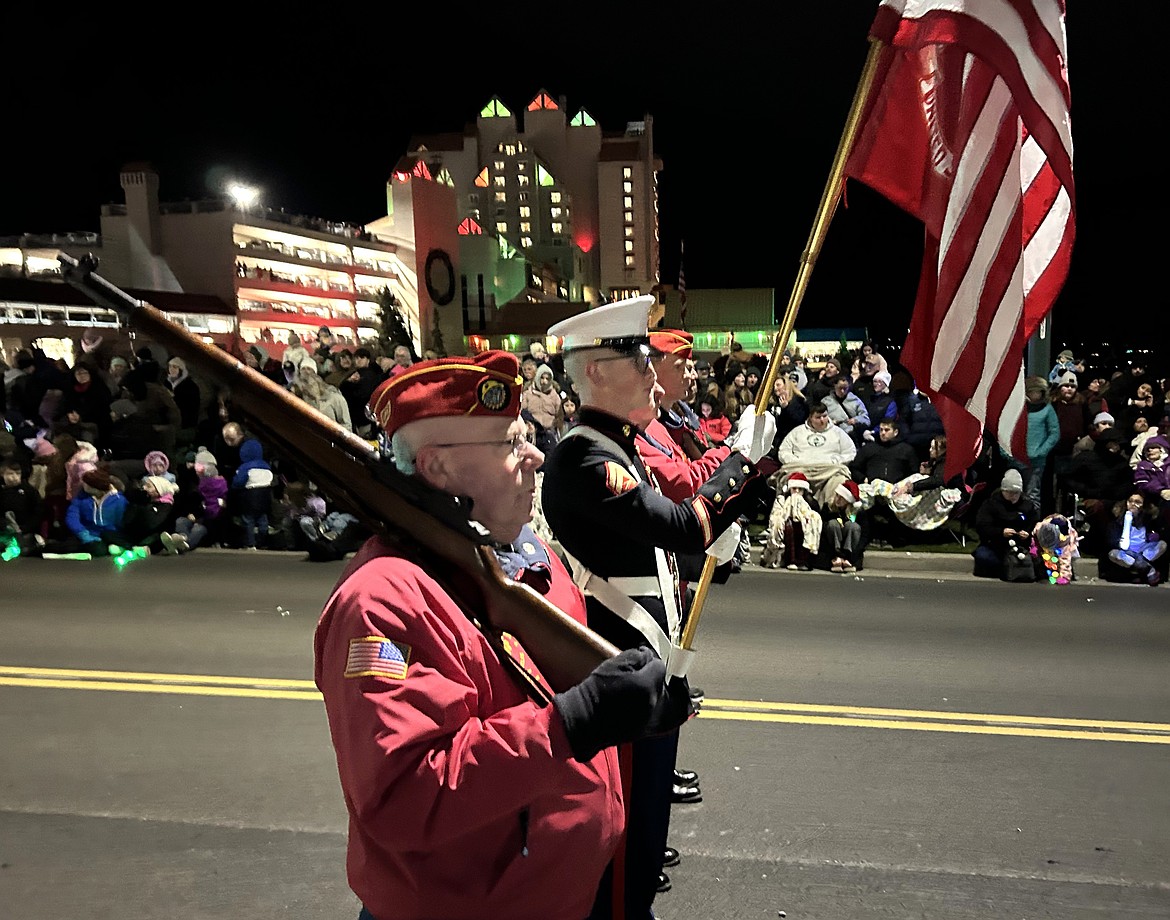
{"type": "Point", "coordinates": [135, 450]}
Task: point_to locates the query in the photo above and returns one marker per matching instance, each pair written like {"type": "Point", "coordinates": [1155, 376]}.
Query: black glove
{"type": "Point", "coordinates": [674, 707]}
{"type": "Point", "coordinates": [616, 703]}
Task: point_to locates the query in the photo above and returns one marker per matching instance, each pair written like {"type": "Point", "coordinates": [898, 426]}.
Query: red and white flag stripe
{"type": "Point", "coordinates": [968, 129]}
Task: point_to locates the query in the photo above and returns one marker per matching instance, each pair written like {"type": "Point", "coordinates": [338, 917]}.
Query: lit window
{"type": "Point", "coordinates": [629, 231]}
{"type": "Point", "coordinates": [501, 226]}
{"type": "Point", "coordinates": [501, 196]}
{"type": "Point", "coordinates": [510, 150]}
{"type": "Point", "coordinates": [554, 197]}
{"type": "Point", "coordinates": [526, 211]}
{"type": "Point", "coordinates": [628, 217]}
{"type": "Point", "coordinates": [628, 187]}
{"type": "Point", "coordinates": [499, 165]}
{"type": "Point", "coordinates": [523, 196]}
{"type": "Point", "coordinates": [525, 227]}
{"type": "Point", "coordinates": [523, 180]}
{"type": "Point", "coordinates": [554, 213]}
{"type": "Point", "coordinates": [629, 261]}
{"type": "Point", "coordinates": [558, 227]}
{"type": "Point", "coordinates": [627, 173]}
{"type": "Point", "coordinates": [522, 166]}
{"type": "Point", "coordinates": [629, 245]}
{"type": "Point", "coordinates": [627, 202]}
{"type": "Point", "coordinates": [498, 181]}
{"type": "Point", "coordinates": [526, 242]}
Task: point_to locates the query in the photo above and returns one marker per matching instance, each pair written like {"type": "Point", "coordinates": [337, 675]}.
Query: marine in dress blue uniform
{"type": "Point", "coordinates": [620, 535]}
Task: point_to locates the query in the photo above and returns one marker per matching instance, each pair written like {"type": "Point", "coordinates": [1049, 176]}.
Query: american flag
{"type": "Point", "coordinates": [967, 128]}
{"type": "Point", "coordinates": [377, 656]}
{"type": "Point", "coordinates": [682, 288]}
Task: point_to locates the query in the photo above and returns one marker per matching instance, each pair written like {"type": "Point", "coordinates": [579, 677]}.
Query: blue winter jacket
{"type": "Point", "coordinates": [1043, 431]}
{"type": "Point", "coordinates": [87, 518]}
{"type": "Point", "coordinates": [251, 458]}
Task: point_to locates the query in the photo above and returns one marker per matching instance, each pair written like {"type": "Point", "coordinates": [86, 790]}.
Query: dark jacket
{"type": "Point", "coordinates": [1101, 473]}
{"type": "Point", "coordinates": [890, 461]}
{"type": "Point", "coordinates": [996, 514]}
{"type": "Point", "coordinates": [131, 438]}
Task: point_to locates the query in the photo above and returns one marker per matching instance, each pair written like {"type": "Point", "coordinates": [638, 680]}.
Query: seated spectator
{"type": "Point", "coordinates": [326, 399]}
{"type": "Point", "coordinates": [1152, 475]}
{"type": "Point", "coordinates": [841, 535]}
{"type": "Point", "coordinates": [131, 436]}
{"type": "Point", "coordinates": [84, 459]}
{"type": "Point", "coordinates": [20, 509]}
{"type": "Point", "coordinates": [820, 451]}
{"type": "Point", "coordinates": [752, 378]}
{"type": "Point", "coordinates": [150, 512]}
{"type": "Point", "coordinates": [1004, 524]}
{"type": "Point", "coordinates": [864, 371]}
{"type": "Point", "coordinates": [1135, 551]}
{"type": "Point", "coordinates": [889, 458]}
{"type": "Point", "coordinates": [202, 525]}
{"type": "Point", "coordinates": [846, 410]}
{"type": "Point", "coordinates": [1136, 436]}
{"type": "Point", "coordinates": [713, 422]}
{"type": "Point", "coordinates": [1142, 404]}
{"type": "Point", "coordinates": [1102, 421]}
{"type": "Point", "coordinates": [84, 409]}
{"type": "Point", "coordinates": [822, 384]}
{"type": "Point", "coordinates": [793, 533]}
{"type": "Point", "coordinates": [156, 463]}
{"type": "Point", "coordinates": [1099, 478]}
{"type": "Point", "coordinates": [737, 398]}
{"type": "Point", "coordinates": [920, 421]}
{"type": "Point", "coordinates": [788, 407]}
{"type": "Point", "coordinates": [879, 404]}
{"type": "Point", "coordinates": [94, 518]}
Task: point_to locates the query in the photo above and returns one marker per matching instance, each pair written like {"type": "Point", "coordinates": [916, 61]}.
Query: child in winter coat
{"type": "Point", "coordinates": [1152, 475]}
{"type": "Point", "coordinates": [193, 529]}
{"type": "Point", "coordinates": [841, 529]}
{"type": "Point", "coordinates": [82, 461]}
{"type": "Point", "coordinates": [158, 464]}
{"type": "Point", "coordinates": [794, 527]}
{"type": "Point", "coordinates": [253, 487]}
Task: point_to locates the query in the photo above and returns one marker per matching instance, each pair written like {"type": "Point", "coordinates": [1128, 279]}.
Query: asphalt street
{"type": "Point", "coordinates": [909, 742]}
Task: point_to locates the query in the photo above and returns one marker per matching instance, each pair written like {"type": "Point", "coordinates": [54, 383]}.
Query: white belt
{"type": "Point", "coordinates": [677, 658]}
{"type": "Point", "coordinates": [646, 586]}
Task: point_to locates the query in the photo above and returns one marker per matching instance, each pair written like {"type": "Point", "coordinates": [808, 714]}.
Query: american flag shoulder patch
{"type": "Point", "coordinates": [618, 478]}
{"type": "Point", "coordinates": [377, 656]}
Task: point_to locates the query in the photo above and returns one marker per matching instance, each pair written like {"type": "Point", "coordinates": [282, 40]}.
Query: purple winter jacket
{"type": "Point", "coordinates": [212, 489]}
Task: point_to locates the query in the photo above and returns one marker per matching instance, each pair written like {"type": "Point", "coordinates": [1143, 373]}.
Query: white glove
{"type": "Point", "coordinates": [725, 545]}
{"type": "Point", "coordinates": [753, 438]}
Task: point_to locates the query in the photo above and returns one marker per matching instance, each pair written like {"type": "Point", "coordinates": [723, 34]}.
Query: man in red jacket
{"type": "Point", "coordinates": [467, 798]}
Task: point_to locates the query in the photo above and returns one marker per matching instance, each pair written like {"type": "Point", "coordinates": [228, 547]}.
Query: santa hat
{"type": "Point", "coordinates": [849, 491]}
{"type": "Point", "coordinates": [797, 481]}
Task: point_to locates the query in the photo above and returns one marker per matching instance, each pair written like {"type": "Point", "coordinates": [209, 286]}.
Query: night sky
{"type": "Point", "coordinates": [747, 114]}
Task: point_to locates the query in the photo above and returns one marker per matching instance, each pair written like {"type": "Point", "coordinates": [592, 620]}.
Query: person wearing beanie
{"type": "Point", "coordinates": [203, 522]}
{"type": "Point", "coordinates": [94, 517]}
{"type": "Point", "coordinates": [841, 536]}
{"type": "Point", "coordinates": [1096, 480]}
{"type": "Point", "coordinates": [1152, 475]}
{"type": "Point", "coordinates": [393, 648]}
{"type": "Point", "coordinates": [879, 404]}
{"type": "Point", "coordinates": [1004, 523]}
{"type": "Point", "coordinates": [1102, 422]}
{"type": "Point", "coordinates": [1065, 362]}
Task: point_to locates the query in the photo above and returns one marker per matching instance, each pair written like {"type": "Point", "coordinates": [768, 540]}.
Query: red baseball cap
{"type": "Point", "coordinates": [484, 386]}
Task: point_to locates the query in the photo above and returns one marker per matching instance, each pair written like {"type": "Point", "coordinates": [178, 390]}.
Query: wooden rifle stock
{"type": "Point", "coordinates": [428, 524]}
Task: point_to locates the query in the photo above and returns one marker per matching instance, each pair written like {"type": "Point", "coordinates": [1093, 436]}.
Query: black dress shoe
{"type": "Point", "coordinates": [685, 795]}
{"type": "Point", "coordinates": [670, 858]}
{"type": "Point", "coordinates": [686, 778]}
{"type": "Point", "coordinates": [663, 882]}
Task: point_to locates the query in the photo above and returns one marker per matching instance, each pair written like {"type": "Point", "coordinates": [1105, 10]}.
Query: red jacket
{"type": "Point", "coordinates": [678, 476]}
{"type": "Point", "coordinates": [450, 772]}
{"type": "Point", "coordinates": [716, 428]}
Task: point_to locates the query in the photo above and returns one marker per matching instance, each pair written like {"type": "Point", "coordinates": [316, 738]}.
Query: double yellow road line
{"type": "Point", "coordinates": [921, 720]}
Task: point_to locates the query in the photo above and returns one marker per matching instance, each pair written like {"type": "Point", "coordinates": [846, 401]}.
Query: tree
{"type": "Point", "coordinates": [393, 328]}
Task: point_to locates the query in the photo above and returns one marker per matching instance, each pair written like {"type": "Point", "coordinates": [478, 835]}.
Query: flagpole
{"type": "Point", "coordinates": [820, 228]}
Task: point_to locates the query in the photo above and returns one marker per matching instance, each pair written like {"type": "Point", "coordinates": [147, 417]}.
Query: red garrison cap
{"type": "Point", "coordinates": [672, 342]}
{"type": "Point", "coordinates": [487, 385]}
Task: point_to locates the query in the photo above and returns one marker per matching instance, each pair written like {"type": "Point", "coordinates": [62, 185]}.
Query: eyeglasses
{"type": "Point", "coordinates": [641, 358]}
{"type": "Point", "coordinates": [518, 444]}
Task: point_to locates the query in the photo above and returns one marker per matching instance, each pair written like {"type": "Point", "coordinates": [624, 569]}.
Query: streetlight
{"type": "Point", "coordinates": [243, 195]}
